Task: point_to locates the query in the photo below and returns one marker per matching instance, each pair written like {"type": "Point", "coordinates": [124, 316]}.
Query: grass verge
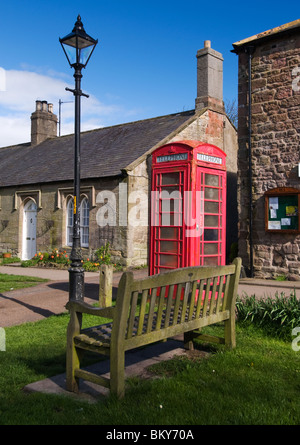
{"type": "Point", "coordinates": [257, 383]}
{"type": "Point", "coordinates": [11, 282]}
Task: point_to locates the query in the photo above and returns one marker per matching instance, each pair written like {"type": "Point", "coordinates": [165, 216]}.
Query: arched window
{"type": "Point", "coordinates": [84, 222]}
{"type": "Point", "coordinates": [84, 212]}
{"type": "Point", "coordinates": [70, 222]}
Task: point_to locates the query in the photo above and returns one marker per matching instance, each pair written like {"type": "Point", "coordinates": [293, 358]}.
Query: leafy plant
{"type": "Point", "coordinates": [29, 263]}
{"type": "Point", "coordinates": [90, 266]}
{"type": "Point", "coordinates": [103, 254]}
{"type": "Point", "coordinates": [10, 260]}
{"type": "Point", "coordinates": [277, 315]}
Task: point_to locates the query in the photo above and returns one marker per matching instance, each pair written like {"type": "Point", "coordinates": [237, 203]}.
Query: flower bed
{"type": "Point", "coordinates": [61, 260]}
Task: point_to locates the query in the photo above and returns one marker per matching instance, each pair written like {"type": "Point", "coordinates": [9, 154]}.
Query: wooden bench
{"type": "Point", "coordinates": [180, 301]}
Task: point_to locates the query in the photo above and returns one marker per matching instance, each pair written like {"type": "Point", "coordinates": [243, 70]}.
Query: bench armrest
{"type": "Point", "coordinates": [85, 308]}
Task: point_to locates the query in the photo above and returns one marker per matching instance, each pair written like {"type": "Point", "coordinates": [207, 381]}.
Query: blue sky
{"type": "Point", "coordinates": [143, 66]}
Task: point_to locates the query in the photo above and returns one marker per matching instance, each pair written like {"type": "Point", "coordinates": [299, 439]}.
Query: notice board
{"type": "Point", "coordinates": [282, 210]}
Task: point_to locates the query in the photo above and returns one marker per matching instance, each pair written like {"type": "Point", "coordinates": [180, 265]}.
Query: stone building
{"type": "Point", "coordinates": [36, 178]}
{"type": "Point", "coordinates": [269, 148]}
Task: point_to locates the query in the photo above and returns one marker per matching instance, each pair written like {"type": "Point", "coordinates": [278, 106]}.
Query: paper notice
{"type": "Point", "coordinates": [273, 203]}
{"type": "Point", "coordinates": [274, 225]}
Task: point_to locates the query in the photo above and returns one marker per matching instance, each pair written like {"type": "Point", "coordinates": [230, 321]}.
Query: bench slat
{"type": "Point", "coordinates": [213, 299]}
{"type": "Point", "coordinates": [225, 297]}
{"type": "Point", "coordinates": [171, 331]}
{"type": "Point", "coordinates": [177, 303]}
{"type": "Point", "coordinates": [193, 300]}
{"type": "Point", "coordinates": [181, 276]}
{"type": "Point", "coordinates": [169, 305]}
{"type": "Point", "coordinates": [142, 311]}
{"type": "Point", "coordinates": [185, 300]}
{"type": "Point", "coordinates": [132, 313]}
{"type": "Point", "coordinates": [220, 293]}
{"type": "Point", "coordinates": [161, 305]}
{"type": "Point", "coordinates": [151, 309]}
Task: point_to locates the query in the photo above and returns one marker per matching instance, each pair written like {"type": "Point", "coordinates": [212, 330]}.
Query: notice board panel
{"type": "Point", "coordinates": [282, 210]}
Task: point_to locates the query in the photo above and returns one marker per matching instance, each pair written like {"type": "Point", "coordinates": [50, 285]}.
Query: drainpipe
{"type": "Point", "coordinates": [250, 50]}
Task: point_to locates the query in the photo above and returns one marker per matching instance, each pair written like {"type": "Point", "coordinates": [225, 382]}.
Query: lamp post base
{"type": "Point", "coordinates": [76, 283]}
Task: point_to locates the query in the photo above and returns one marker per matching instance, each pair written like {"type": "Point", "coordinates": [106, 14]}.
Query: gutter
{"type": "Point", "coordinates": [250, 51]}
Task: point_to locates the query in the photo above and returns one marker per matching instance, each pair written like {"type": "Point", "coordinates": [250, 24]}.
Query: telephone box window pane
{"type": "Point", "coordinates": [168, 260]}
{"type": "Point", "coordinates": [211, 193]}
{"type": "Point", "coordinates": [172, 205]}
{"type": "Point", "coordinates": [170, 178]}
{"type": "Point", "coordinates": [211, 235]}
{"type": "Point", "coordinates": [169, 233]}
{"type": "Point", "coordinates": [210, 248]}
{"type": "Point", "coordinates": [170, 189]}
{"type": "Point", "coordinates": [211, 207]}
{"type": "Point", "coordinates": [169, 246]}
{"type": "Point", "coordinates": [210, 261]}
{"type": "Point", "coordinates": [212, 180]}
{"type": "Point", "coordinates": [211, 221]}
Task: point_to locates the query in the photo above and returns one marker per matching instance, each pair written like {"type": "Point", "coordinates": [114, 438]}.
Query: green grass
{"type": "Point", "coordinates": [12, 282]}
{"type": "Point", "coordinates": [256, 383]}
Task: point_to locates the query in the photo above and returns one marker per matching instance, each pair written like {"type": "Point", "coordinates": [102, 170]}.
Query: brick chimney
{"type": "Point", "coordinates": [209, 79]}
{"type": "Point", "coordinates": [43, 122]}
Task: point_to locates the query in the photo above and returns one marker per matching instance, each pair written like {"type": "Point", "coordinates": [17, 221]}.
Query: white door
{"type": "Point", "coordinates": [29, 230]}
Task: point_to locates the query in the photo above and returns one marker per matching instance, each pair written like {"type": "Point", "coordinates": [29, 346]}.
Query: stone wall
{"type": "Point", "coordinates": [275, 150]}
{"type": "Point", "coordinates": [51, 200]}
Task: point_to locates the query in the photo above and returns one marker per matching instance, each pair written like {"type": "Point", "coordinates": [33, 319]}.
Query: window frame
{"type": "Point", "coordinates": [84, 221]}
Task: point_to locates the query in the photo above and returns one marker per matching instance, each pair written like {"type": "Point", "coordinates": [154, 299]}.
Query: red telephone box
{"type": "Point", "coordinates": [188, 206]}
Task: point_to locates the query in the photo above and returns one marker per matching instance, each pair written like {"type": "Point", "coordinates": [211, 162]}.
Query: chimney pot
{"type": "Point", "coordinates": [50, 108]}
{"type": "Point", "coordinates": [38, 105]}
{"type": "Point", "coordinates": [44, 105]}
{"type": "Point", "coordinates": [207, 44]}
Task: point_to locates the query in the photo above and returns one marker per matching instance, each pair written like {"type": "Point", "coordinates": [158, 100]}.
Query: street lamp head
{"type": "Point", "coordinates": [78, 46]}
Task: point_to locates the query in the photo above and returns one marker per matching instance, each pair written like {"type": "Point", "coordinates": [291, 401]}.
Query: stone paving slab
{"type": "Point", "coordinates": [136, 364]}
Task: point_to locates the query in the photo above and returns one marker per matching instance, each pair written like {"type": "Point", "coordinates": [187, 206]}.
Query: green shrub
{"type": "Point", "coordinates": [103, 254]}
{"type": "Point", "coordinates": [29, 263]}
{"type": "Point", "coordinates": [277, 316]}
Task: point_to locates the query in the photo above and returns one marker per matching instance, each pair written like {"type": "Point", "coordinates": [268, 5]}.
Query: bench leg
{"type": "Point", "coordinates": [188, 340]}
{"type": "Point", "coordinates": [117, 373]}
{"type": "Point", "coordinates": [229, 332]}
{"type": "Point", "coordinates": [72, 354]}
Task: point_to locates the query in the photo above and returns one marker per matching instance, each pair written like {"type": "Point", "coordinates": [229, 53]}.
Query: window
{"type": "Point", "coordinates": [70, 222]}
{"type": "Point", "coordinates": [282, 210]}
{"type": "Point", "coordinates": [84, 213]}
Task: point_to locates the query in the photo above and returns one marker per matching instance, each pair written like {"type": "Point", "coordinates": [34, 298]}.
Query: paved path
{"type": "Point", "coordinates": [45, 299]}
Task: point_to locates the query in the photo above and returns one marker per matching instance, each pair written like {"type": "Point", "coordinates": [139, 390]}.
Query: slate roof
{"type": "Point", "coordinates": [104, 152]}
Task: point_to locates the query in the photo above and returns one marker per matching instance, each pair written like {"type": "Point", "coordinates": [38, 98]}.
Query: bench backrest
{"type": "Point", "coordinates": [146, 307]}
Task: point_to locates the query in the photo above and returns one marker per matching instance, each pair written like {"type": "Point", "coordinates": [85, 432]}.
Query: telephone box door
{"type": "Point", "coordinates": [211, 242]}
{"type": "Point", "coordinates": [167, 225]}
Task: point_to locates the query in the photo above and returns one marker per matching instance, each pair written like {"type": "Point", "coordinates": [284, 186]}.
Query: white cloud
{"type": "Point", "coordinates": [24, 87]}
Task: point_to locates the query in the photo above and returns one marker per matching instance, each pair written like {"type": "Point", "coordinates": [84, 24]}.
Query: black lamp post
{"type": "Point", "coordinates": [78, 47]}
